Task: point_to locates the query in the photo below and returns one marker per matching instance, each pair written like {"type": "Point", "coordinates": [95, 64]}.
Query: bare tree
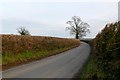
{"type": "Point", "coordinates": [23, 31]}
{"type": "Point", "coordinates": [77, 27]}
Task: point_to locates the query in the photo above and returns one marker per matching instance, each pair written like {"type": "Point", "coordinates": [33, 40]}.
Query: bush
{"type": "Point", "coordinates": [107, 50]}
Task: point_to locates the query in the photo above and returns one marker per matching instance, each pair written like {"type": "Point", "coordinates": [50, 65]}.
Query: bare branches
{"type": "Point", "coordinates": [78, 27]}
{"type": "Point", "coordinates": [23, 31]}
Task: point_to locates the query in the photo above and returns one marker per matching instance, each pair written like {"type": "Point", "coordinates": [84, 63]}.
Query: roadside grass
{"type": "Point", "coordinates": [17, 50]}
{"type": "Point", "coordinates": [10, 59]}
{"type": "Point", "coordinates": [91, 71]}
{"type": "Point", "coordinates": [0, 58]}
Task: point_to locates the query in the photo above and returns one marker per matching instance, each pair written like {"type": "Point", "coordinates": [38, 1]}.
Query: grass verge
{"type": "Point", "coordinates": [10, 60]}
{"type": "Point", "coordinates": [90, 71]}
{"type": "Point", "coordinates": [0, 58]}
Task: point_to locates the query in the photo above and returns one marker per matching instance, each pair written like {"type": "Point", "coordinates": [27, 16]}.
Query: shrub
{"type": "Point", "coordinates": [107, 50]}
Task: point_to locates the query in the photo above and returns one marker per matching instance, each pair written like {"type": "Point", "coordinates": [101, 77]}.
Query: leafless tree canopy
{"type": "Point", "coordinates": [23, 31]}
{"type": "Point", "coordinates": [78, 27]}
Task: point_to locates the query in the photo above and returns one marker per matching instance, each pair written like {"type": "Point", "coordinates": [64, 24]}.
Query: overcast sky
{"type": "Point", "coordinates": [44, 18]}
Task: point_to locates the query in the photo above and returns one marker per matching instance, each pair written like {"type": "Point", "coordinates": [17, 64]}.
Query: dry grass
{"type": "Point", "coordinates": [23, 48]}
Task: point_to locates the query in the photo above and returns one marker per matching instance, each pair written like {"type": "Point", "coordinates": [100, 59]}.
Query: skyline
{"type": "Point", "coordinates": [49, 19]}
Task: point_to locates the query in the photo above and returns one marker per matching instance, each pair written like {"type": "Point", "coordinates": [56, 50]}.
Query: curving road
{"type": "Point", "coordinates": [64, 65]}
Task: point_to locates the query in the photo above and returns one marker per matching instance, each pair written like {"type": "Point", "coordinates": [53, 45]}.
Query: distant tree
{"type": "Point", "coordinates": [77, 27]}
{"type": "Point", "coordinates": [23, 31]}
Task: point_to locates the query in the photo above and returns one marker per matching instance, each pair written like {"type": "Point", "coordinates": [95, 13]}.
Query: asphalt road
{"type": "Point", "coordinates": [64, 65]}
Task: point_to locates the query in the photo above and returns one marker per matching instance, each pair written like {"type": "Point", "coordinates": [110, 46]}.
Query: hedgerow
{"type": "Point", "coordinates": [107, 50]}
{"type": "Point", "coordinates": [19, 49]}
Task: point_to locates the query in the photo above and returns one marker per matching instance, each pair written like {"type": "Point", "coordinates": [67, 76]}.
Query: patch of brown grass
{"type": "Point", "coordinates": [20, 49]}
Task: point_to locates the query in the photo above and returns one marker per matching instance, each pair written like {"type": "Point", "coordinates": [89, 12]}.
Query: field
{"type": "Point", "coordinates": [22, 49]}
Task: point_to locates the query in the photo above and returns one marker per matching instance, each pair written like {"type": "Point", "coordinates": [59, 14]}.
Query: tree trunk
{"type": "Point", "coordinates": [76, 36]}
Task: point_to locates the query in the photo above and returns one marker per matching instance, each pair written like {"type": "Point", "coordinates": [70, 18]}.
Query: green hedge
{"type": "Point", "coordinates": [107, 50]}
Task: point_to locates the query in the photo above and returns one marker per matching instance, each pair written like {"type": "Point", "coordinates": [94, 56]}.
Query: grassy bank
{"type": "Point", "coordinates": [90, 68]}
{"type": "Point", "coordinates": [91, 72]}
{"type": "Point", "coordinates": [22, 49]}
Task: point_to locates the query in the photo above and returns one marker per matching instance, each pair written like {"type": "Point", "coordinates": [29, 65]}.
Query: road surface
{"type": "Point", "coordinates": [64, 65]}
